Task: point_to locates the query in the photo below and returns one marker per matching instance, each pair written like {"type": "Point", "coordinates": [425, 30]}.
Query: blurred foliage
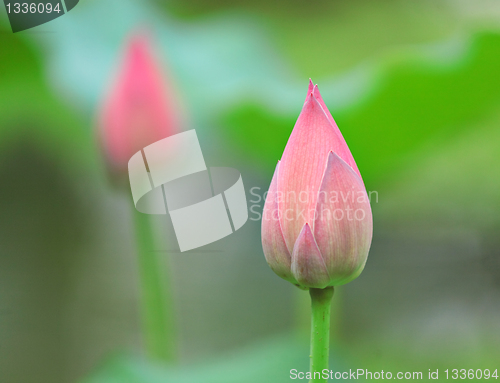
{"type": "Point", "coordinates": [454, 171]}
{"type": "Point", "coordinates": [193, 8]}
{"type": "Point", "coordinates": [325, 37]}
{"type": "Point", "coordinates": [416, 99]}
{"type": "Point", "coordinates": [266, 361]}
{"type": "Point", "coordinates": [17, 61]}
{"type": "Point", "coordinates": [43, 150]}
{"type": "Point", "coordinates": [39, 203]}
{"type": "Point", "coordinates": [45, 155]}
{"type": "Point", "coordinates": [28, 106]}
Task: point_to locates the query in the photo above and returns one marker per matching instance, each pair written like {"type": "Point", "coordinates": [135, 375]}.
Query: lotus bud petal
{"type": "Point", "coordinates": [317, 208]}
{"type": "Point", "coordinates": [343, 222]}
{"type": "Point", "coordinates": [308, 265]}
{"type": "Point", "coordinates": [277, 254]}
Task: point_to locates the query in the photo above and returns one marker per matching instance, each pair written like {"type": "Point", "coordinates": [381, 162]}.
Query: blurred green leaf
{"type": "Point", "coordinates": [415, 100]}
{"type": "Point", "coordinates": [451, 183]}
{"type": "Point", "coordinates": [45, 157]}
{"type": "Point", "coordinates": [325, 37]}
{"type": "Point", "coordinates": [18, 61]}
{"type": "Point", "coordinates": [268, 361]}
{"type": "Point", "coordinates": [28, 107]}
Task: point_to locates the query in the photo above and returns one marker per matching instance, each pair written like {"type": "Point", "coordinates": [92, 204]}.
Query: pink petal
{"type": "Point", "coordinates": [308, 265]}
{"type": "Point", "coordinates": [275, 250]}
{"type": "Point", "coordinates": [302, 167]}
{"type": "Point", "coordinates": [341, 149]}
{"type": "Point", "coordinates": [309, 90]}
{"type": "Point", "coordinates": [343, 226]}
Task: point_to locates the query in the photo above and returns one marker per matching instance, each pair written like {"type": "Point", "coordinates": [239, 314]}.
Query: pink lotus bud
{"type": "Point", "coordinates": [317, 221]}
{"type": "Point", "coordinates": [138, 110]}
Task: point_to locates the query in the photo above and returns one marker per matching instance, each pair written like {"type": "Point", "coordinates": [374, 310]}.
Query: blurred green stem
{"type": "Point", "coordinates": [321, 300]}
{"type": "Point", "coordinates": [157, 312]}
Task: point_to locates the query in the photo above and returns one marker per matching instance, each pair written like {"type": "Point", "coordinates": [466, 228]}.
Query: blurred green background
{"type": "Point", "coordinates": [413, 85]}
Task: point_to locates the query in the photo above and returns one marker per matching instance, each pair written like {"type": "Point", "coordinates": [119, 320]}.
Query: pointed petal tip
{"type": "Point", "coordinates": [310, 89]}
{"type": "Point", "coordinates": [308, 96]}
{"type": "Point", "coordinates": [306, 231]}
{"type": "Point", "coordinates": [312, 85]}
{"type": "Point", "coordinates": [333, 157]}
{"type": "Point", "coordinates": [335, 160]}
{"type": "Point", "coordinates": [311, 98]}
{"type": "Point", "coordinates": [313, 92]}
{"type": "Point", "coordinates": [316, 91]}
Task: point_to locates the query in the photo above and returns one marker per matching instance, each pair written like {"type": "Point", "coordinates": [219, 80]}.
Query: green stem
{"type": "Point", "coordinates": [320, 331]}
{"type": "Point", "coordinates": [157, 312]}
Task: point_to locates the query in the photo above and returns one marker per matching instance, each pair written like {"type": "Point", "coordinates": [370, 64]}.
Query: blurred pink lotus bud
{"type": "Point", "coordinates": [317, 221]}
{"type": "Point", "coordinates": [138, 110]}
